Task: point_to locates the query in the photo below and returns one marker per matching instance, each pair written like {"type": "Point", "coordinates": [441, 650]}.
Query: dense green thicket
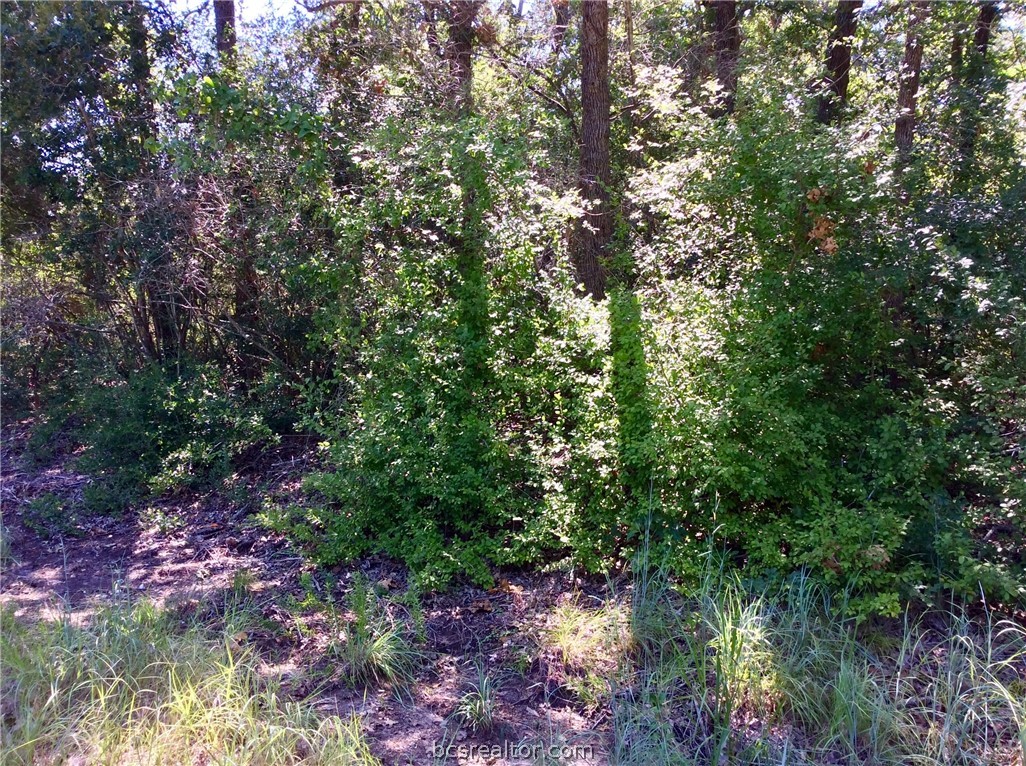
{"type": "Point", "coordinates": [811, 351]}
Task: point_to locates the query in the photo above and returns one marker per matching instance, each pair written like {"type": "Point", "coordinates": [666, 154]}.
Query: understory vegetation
{"type": "Point", "coordinates": [781, 318]}
{"type": "Point", "coordinates": [142, 686]}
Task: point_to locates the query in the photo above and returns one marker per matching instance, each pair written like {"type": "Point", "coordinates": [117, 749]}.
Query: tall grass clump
{"type": "Point", "coordinates": [137, 686]}
{"type": "Point", "coordinates": [375, 646]}
{"type": "Point", "coordinates": [729, 673]}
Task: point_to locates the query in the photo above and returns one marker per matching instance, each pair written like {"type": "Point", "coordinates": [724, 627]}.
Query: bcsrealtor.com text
{"type": "Point", "coordinates": [515, 751]}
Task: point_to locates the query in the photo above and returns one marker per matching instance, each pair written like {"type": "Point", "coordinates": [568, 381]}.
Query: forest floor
{"type": "Point", "coordinates": [567, 669]}
{"type": "Point", "coordinates": [192, 552]}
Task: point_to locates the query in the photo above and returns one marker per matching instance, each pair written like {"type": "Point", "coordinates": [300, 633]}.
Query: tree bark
{"type": "Point", "coordinates": [595, 174]}
{"type": "Point", "coordinates": [155, 284]}
{"type": "Point", "coordinates": [560, 22]}
{"type": "Point", "coordinates": [459, 51]}
{"type": "Point", "coordinates": [224, 27]}
{"type": "Point", "coordinates": [957, 45]}
{"type": "Point", "coordinates": [139, 63]}
{"type": "Point", "coordinates": [908, 80]}
{"type": "Point", "coordinates": [838, 61]}
{"type": "Point", "coordinates": [727, 45]}
{"type": "Point", "coordinates": [985, 23]}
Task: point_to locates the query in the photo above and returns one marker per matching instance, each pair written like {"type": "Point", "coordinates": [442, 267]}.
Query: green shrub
{"type": "Point", "coordinates": [162, 430]}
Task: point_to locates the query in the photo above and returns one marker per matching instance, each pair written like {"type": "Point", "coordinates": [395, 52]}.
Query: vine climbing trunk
{"type": "Point", "coordinates": [973, 94]}
{"type": "Point", "coordinates": [472, 419]}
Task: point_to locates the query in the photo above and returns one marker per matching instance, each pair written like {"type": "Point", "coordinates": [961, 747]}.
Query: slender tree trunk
{"type": "Point", "coordinates": [154, 280]}
{"type": "Point", "coordinates": [908, 80]}
{"type": "Point", "coordinates": [246, 309]}
{"type": "Point", "coordinates": [957, 51]}
{"type": "Point", "coordinates": [595, 174]}
{"type": "Point", "coordinates": [460, 17]}
{"type": "Point", "coordinates": [224, 27]}
{"type": "Point", "coordinates": [838, 61]}
{"type": "Point", "coordinates": [560, 22]}
{"type": "Point", "coordinates": [139, 62]}
{"type": "Point", "coordinates": [727, 44]}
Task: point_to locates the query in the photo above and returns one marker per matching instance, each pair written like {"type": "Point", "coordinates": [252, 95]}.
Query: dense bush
{"type": "Point", "coordinates": [163, 430]}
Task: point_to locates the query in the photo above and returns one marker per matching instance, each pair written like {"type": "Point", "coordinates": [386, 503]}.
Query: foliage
{"type": "Point", "coordinates": [722, 655]}
{"type": "Point", "coordinates": [157, 432]}
{"type": "Point", "coordinates": [811, 351]}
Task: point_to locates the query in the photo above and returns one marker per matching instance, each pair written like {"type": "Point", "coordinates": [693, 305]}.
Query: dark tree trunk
{"type": "Point", "coordinates": [595, 173]}
{"type": "Point", "coordinates": [560, 22]}
{"type": "Point", "coordinates": [838, 61]}
{"type": "Point", "coordinates": [157, 288]}
{"type": "Point", "coordinates": [139, 63]}
{"type": "Point", "coordinates": [985, 23]}
{"type": "Point", "coordinates": [727, 45]}
{"type": "Point", "coordinates": [957, 53]}
{"type": "Point", "coordinates": [246, 309]}
{"type": "Point", "coordinates": [224, 27]}
{"type": "Point", "coordinates": [908, 80]}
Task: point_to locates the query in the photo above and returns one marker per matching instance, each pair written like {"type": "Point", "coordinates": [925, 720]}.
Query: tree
{"type": "Point", "coordinates": [838, 61]}
{"type": "Point", "coordinates": [985, 23]}
{"type": "Point", "coordinates": [727, 46]}
{"type": "Point", "coordinates": [224, 27]}
{"type": "Point", "coordinates": [595, 174]}
{"type": "Point", "coordinates": [973, 92]}
{"type": "Point", "coordinates": [908, 79]}
{"type": "Point", "coordinates": [459, 51]}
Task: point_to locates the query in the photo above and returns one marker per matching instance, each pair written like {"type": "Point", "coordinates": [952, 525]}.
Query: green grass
{"type": "Point", "coordinates": [718, 673]}
{"type": "Point", "coordinates": [584, 649]}
{"type": "Point", "coordinates": [478, 706]}
{"type": "Point", "coordinates": [375, 646]}
{"type": "Point", "coordinates": [730, 675]}
{"type": "Point", "coordinates": [6, 554]}
{"type": "Point", "coordinates": [138, 687]}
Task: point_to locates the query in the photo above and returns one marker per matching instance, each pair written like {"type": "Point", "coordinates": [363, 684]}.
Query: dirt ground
{"type": "Point", "coordinates": [212, 544]}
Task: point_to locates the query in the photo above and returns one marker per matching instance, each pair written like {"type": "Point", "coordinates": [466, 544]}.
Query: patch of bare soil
{"type": "Point", "coordinates": [187, 552]}
{"type": "Point", "coordinates": [172, 550]}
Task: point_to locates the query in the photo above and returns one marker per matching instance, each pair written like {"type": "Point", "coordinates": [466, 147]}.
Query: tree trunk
{"type": "Point", "coordinates": [727, 43]}
{"type": "Point", "coordinates": [595, 174]}
{"type": "Point", "coordinates": [139, 63]}
{"type": "Point", "coordinates": [224, 27]}
{"type": "Point", "coordinates": [155, 284]}
{"type": "Point", "coordinates": [957, 45]}
{"type": "Point", "coordinates": [973, 95]}
{"type": "Point", "coordinates": [985, 23]}
{"type": "Point", "coordinates": [838, 61]}
{"type": "Point", "coordinates": [908, 80]}
{"type": "Point", "coordinates": [460, 17]}
{"type": "Point", "coordinates": [560, 22]}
